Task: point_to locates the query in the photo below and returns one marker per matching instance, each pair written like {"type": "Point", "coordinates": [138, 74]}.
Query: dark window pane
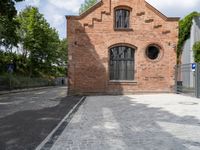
{"type": "Point", "coordinates": [122, 18]}
{"type": "Point", "coordinates": [152, 52]}
{"type": "Point", "coordinates": [122, 63]}
{"type": "Point", "coordinates": [130, 72]}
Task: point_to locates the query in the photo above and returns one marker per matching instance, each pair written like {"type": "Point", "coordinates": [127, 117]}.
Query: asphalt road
{"type": "Point", "coordinates": [27, 118]}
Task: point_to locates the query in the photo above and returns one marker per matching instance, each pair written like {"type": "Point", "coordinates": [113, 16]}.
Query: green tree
{"type": "Point", "coordinates": [8, 24]}
{"type": "Point", "coordinates": [62, 53]}
{"type": "Point", "coordinates": [39, 41]}
{"type": "Point", "coordinates": [61, 64]}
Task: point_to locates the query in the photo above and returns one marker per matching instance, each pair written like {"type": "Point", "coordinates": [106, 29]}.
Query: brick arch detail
{"type": "Point", "coordinates": [123, 44]}
{"type": "Point", "coordinates": [117, 40]}
{"type": "Point", "coordinates": [123, 7]}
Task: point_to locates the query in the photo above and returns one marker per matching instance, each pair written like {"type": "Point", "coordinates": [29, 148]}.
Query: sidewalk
{"type": "Point", "coordinates": [24, 90]}
{"type": "Point", "coordinates": [139, 122]}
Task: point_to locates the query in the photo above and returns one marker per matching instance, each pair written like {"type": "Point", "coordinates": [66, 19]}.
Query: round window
{"type": "Point", "coordinates": [152, 52]}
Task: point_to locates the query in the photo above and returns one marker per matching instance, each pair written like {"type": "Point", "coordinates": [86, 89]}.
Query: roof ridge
{"type": "Point", "coordinates": [100, 2]}
{"type": "Point", "coordinates": [155, 10]}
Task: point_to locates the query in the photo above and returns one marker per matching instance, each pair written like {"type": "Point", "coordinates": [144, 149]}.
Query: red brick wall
{"type": "Point", "coordinates": [90, 39]}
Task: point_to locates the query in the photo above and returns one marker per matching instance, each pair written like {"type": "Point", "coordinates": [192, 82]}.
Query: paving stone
{"type": "Point", "coordinates": [134, 122]}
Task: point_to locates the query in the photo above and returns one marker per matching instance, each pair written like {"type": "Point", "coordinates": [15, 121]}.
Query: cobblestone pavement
{"type": "Point", "coordinates": [138, 122]}
{"type": "Point", "coordinates": [27, 118]}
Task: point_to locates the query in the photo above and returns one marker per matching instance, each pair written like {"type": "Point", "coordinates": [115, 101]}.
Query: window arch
{"type": "Point", "coordinates": [122, 18]}
{"type": "Point", "coordinates": [122, 63]}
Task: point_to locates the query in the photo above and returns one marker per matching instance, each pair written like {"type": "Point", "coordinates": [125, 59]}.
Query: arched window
{"type": "Point", "coordinates": [122, 63]}
{"type": "Point", "coordinates": [122, 17]}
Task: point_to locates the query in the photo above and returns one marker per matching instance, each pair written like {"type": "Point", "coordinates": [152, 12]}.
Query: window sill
{"type": "Point", "coordinates": [123, 81]}
{"type": "Point", "coordinates": [123, 29]}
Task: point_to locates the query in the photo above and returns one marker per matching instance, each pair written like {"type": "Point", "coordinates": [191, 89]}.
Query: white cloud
{"type": "Point", "coordinates": [53, 15]}
{"type": "Point", "coordinates": [58, 19]}
{"type": "Point", "coordinates": [179, 4]}
{"type": "Point", "coordinates": [33, 2]}
{"type": "Point", "coordinates": [176, 7]}
{"type": "Point", "coordinates": [55, 11]}
{"type": "Point", "coordinates": [69, 5]}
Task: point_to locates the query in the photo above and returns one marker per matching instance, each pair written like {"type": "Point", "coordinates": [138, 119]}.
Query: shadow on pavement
{"type": "Point", "coordinates": [25, 130]}
{"type": "Point", "coordinates": [128, 123]}
{"type": "Point", "coordinates": [146, 127]}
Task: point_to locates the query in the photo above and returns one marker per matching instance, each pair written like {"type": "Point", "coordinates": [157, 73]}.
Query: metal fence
{"type": "Point", "coordinates": [188, 79]}
{"type": "Point", "coordinates": [10, 82]}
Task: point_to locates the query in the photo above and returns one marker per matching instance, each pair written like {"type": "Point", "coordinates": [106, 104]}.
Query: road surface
{"type": "Point", "coordinates": [27, 118]}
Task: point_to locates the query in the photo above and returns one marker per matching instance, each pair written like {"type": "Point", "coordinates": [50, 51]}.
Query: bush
{"type": "Point", "coordinates": [19, 82]}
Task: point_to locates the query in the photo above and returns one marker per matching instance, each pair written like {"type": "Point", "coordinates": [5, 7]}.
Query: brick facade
{"type": "Point", "coordinates": [91, 35]}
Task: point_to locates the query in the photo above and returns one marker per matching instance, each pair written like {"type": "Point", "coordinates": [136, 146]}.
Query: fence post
{"type": "Point", "coordinates": [197, 83]}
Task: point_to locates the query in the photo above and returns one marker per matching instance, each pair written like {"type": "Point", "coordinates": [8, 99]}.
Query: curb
{"type": "Point", "coordinates": [24, 90]}
{"type": "Point", "coordinates": [49, 141]}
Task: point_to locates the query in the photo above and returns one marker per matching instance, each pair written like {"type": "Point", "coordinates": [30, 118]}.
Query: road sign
{"type": "Point", "coordinates": [193, 67]}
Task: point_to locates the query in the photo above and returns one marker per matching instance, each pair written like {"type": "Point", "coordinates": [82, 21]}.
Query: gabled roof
{"type": "Point", "coordinates": [85, 13]}
{"type": "Point", "coordinates": [161, 14]}
{"type": "Point", "coordinates": [99, 3]}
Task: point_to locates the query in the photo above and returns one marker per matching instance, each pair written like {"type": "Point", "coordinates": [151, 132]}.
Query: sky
{"type": "Point", "coordinates": [55, 10]}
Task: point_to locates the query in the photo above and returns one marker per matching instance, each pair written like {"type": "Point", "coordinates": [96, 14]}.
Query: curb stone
{"type": "Point", "coordinates": [48, 142]}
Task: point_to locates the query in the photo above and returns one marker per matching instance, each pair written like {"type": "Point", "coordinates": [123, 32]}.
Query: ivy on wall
{"type": "Point", "coordinates": [184, 30]}
{"type": "Point", "coordinates": [196, 49]}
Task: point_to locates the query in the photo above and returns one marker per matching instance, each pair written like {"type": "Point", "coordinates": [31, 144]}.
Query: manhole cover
{"type": "Point", "coordinates": [188, 103]}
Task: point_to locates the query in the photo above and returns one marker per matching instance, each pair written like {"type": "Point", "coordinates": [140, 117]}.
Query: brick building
{"type": "Point", "coordinates": [121, 46]}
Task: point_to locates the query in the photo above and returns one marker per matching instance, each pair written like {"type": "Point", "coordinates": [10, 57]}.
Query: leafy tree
{"type": "Point", "coordinates": [61, 64]}
{"type": "Point", "coordinates": [7, 8]}
{"type": "Point", "coordinates": [39, 40]}
{"type": "Point", "coordinates": [196, 49]}
{"type": "Point", "coordinates": [8, 24]}
{"type": "Point", "coordinates": [87, 4]}
{"type": "Point", "coordinates": [62, 53]}
{"type": "Point", "coordinates": [42, 53]}
{"type": "Point", "coordinates": [5, 60]}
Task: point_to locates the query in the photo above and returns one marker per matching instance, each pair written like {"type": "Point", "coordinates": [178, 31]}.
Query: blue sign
{"type": "Point", "coordinates": [193, 67]}
{"type": "Point", "coordinates": [10, 68]}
